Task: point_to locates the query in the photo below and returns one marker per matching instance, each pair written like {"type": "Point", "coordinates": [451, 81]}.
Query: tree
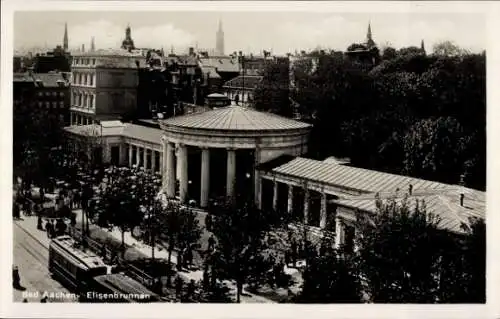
{"type": "Point", "coordinates": [272, 93]}
{"type": "Point", "coordinates": [448, 48]}
{"type": "Point", "coordinates": [356, 46]}
{"type": "Point", "coordinates": [398, 251]}
{"type": "Point", "coordinates": [329, 278]}
{"type": "Point", "coordinates": [389, 53]}
{"type": "Point", "coordinates": [240, 230]}
{"type": "Point", "coordinates": [434, 147]}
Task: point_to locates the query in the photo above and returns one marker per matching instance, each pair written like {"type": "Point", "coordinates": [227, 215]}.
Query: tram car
{"type": "Point", "coordinates": [119, 288]}
{"type": "Point", "coordinates": [72, 266]}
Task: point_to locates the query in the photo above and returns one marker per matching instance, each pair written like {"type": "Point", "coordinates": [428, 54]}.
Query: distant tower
{"type": "Point", "coordinates": [128, 43]}
{"type": "Point", "coordinates": [219, 40]}
{"type": "Point", "coordinates": [65, 38]}
{"type": "Point", "coordinates": [422, 46]}
{"type": "Point", "coordinates": [92, 44]}
{"type": "Point", "coordinates": [369, 40]}
{"type": "Point", "coordinates": [83, 47]}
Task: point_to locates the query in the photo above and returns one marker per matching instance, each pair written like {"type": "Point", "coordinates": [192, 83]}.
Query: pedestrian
{"type": "Point", "coordinates": [206, 279]}
{"type": "Point", "coordinates": [294, 252]}
{"type": "Point", "coordinates": [49, 227]}
{"type": "Point", "coordinates": [179, 261]}
{"type": "Point", "coordinates": [73, 219]}
{"type": "Point", "coordinates": [25, 300]}
{"type": "Point", "coordinates": [39, 222]}
{"type": "Point", "coordinates": [189, 257]}
{"type": "Point", "coordinates": [44, 299]}
{"type": "Point", "coordinates": [178, 286]}
{"type": "Point", "coordinates": [211, 243]}
{"type": "Point", "coordinates": [191, 289]}
{"type": "Point", "coordinates": [16, 278]}
{"type": "Point", "coordinates": [16, 211]}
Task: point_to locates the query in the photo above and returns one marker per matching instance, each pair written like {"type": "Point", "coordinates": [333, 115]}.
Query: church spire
{"type": "Point", "coordinates": [369, 39]}
{"type": "Point", "coordinates": [219, 40]}
{"type": "Point", "coordinates": [422, 46]}
{"type": "Point", "coordinates": [65, 38]}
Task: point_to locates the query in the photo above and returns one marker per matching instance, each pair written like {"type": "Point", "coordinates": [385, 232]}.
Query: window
{"type": "Point", "coordinates": [61, 105]}
{"type": "Point", "coordinates": [47, 105]}
{"type": "Point", "coordinates": [91, 80]}
{"type": "Point", "coordinates": [47, 93]}
{"type": "Point", "coordinates": [40, 93]}
{"type": "Point", "coordinates": [93, 61]}
{"type": "Point", "coordinates": [61, 118]}
{"type": "Point", "coordinates": [40, 104]}
{"type": "Point", "coordinates": [54, 104]}
{"type": "Point", "coordinates": [61, 94]}
{"type": "Point", "coordinates": [54, 94]}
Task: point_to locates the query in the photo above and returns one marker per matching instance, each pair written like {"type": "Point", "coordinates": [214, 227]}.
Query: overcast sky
{"type": "Point", "coordinates": [248, 31]}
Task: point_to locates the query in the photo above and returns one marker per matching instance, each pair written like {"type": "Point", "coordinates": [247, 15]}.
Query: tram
{"type": "Point", "coordinates": [72, 266]}
{"type": "Point", "coordinates": [114, 288]}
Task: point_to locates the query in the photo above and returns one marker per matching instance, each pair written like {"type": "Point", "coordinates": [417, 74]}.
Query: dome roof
{"type": "Point", "coordinates": [235, 118]}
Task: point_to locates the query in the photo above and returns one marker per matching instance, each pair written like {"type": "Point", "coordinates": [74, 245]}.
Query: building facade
{"type": "Point", "coordinates": [104, 85]}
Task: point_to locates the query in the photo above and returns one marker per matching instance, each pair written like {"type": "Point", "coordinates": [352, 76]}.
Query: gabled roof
{"type": "Point", "coordinates": [234, 118]}
{"type": "Point", "coordinates": [221, 64]}
{"type": "Point", "coordinates": [244, 81]}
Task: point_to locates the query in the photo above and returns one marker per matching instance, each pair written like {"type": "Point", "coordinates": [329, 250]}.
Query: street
{"type": "Point", "coordinates": [31, 256]}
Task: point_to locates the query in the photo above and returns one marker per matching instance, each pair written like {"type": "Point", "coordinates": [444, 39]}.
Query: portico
{"type": "Point", "coordinates": [230, 142]}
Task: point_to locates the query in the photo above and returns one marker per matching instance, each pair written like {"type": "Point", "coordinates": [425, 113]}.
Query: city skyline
{"type": "Point", "coordinates": [285, 32]}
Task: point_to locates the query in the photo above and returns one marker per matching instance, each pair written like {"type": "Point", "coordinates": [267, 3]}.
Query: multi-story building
{"type": "Point", "coordinates": [43, 91]}
{"type": "Point", "coordinates": [104, 85]}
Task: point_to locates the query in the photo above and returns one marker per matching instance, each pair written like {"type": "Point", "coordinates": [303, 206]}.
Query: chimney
{"type": "Point", "coordinates": [410, 189]}
{"type": "Point", "coordinates": [462, 196]}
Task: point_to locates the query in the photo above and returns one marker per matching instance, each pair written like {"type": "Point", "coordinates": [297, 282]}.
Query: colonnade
{"type": "Point", "coordinates": [339, 222]}
{"type": "Point", "coordinates": [78, 119]}
{"type": "Point", "coordinates": [142, 162]}
{"type": "Point", "coordinates": [169, 152]}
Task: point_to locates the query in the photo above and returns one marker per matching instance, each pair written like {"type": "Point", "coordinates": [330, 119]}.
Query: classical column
{"type": "Point", "coordinates": [275, 196]}
{"type": "Point", "coordinates": [121, 154]}
{"type": "Point", "coordinates": [257, 180]}
{"type": "Point", "coordinates": [153, 161]}
{"type": "Point", "coordinates": [169, 161]}
{"type": "Point", "coordinates": [306, 206]}
{"type": "Point", "coordinates": [145, 158]}
{"type": "Point", "coordinates": [137, 156]}
{"type": "Point", "coordinates": [339, 232]}
{"type": "Point", "coordinates": [290, 199]}
{"type": "Point", "coordinates": [231, 172]}
{"type": "Point", "coordinates": [322, 220]}
{"type": "Point", "coordinates": [130, 146]}
{"type": "Point", "coordinates": [205, 176]}
{"type": "Point", "coordinates": [183, 178]}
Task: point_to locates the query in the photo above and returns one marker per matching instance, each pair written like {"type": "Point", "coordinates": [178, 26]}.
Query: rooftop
{"type": "Point", "coordinates": [445, 204]}
{"type": "Point", "coordinates": [117, 128]}
{"type": "Point", "coordinates": [359, 179]}
{"type": "Point", "coordinates": [235, 118]}
{"type": "Point", "coordinates": [48, 79]}
{"type": "Point", "coordinates": [221, 64]}
{"type": "Point", "coordinates": [244, 81]}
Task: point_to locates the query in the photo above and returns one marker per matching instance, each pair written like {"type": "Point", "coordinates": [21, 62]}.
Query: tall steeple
{"type": "Point", "coordinates": [422, 46]}
{"type": "Point", "coordinates": [369, 39]}
{"type": "Point", "coordinates": [219, 40]}
{"type": "Point", "coordinates": [92, 44]}
{"type": "Point", "coordinates": [65, 38]}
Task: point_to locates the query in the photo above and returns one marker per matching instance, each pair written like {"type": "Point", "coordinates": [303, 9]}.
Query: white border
{"type": "Point", "coordinates": [491, 310]}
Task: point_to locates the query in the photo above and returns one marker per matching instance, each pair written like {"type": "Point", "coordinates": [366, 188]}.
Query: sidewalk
{"type": "Point", "coordinates": [196, 275]}
{"type": "Point", "coordinates": [28, 224]}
